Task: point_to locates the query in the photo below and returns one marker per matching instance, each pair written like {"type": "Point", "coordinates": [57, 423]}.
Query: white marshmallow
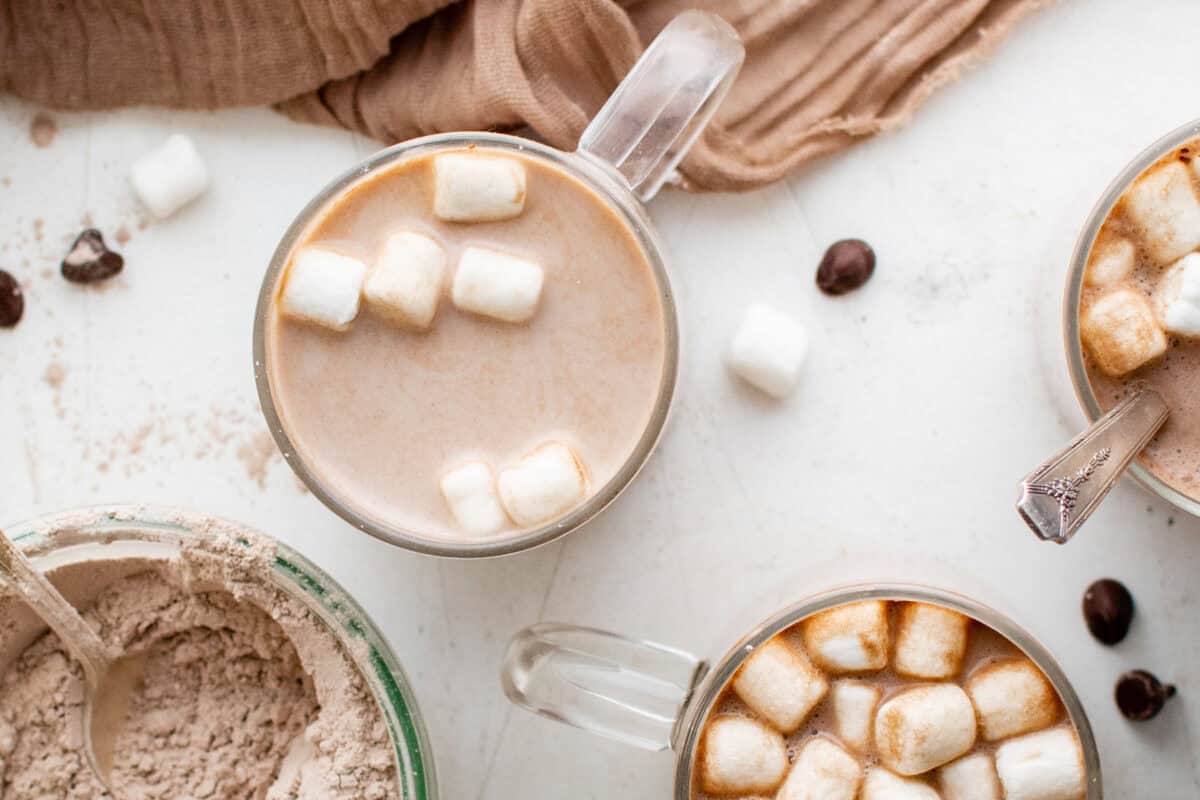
{"type": "Point", "coordinates": [883, 785]}
{"type": "Point", "coordinates": [768, 350]}
{"type": "Point", "coordinates": [472, 187]}
{"type": "Point", "coordinates": [930, 641]}
{"type": "Point", "coordinates": [406, 281]}
{"type": "Point", "coordinates": [1120, 331]}
{"type": "Point", "coordinates": [497, 285]}
{"type": "Point", "coordinates": [170, 176]}
{"type": "Point", "coordinates": [822, 771]}
{"type": "Point", "coordinates": [849, 638]}
{"type": "Point", "coordinates": [972, 777]}
{"type": "Point", "coordinates": [1012, 697]}
{"type": "Point", "coordinates": [323, 287]}
{"type": "Point", "coordinates": [546, 483]}
{"type": "Point", "coordinates": [741, 756]}
{"type": "Point", "coordinates": [1042, 766]}
{"type": "Point", "coordinates": [854, 705]}
{"type": "Point", "coordinates": [924, 727]}
{"type": "Point", "coordinates": [1164, 204]}
{"type": "Point", "coordinates": [1177, 300]}
{"type": "Point", "coordinates": [469, 492]}
{"type": "Point", "coordinates": [1111, 263]}
{"type": "Point", "coordinates": [779, 683]}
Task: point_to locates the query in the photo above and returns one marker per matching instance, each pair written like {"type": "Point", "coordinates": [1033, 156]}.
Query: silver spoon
{"type": "Point", "coordinates": [110, 677]}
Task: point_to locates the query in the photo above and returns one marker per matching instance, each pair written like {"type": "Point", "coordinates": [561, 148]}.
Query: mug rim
{"type": "Point", "coordinates": [1072, 297]}
{"type": "Point", "coordinates": [612, 190]}
{"type": "Point", "coordinates": [699, 703]}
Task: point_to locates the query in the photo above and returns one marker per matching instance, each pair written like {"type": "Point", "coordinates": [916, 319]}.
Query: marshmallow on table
{"type": "Point", "coordinates": [1012, 697]}
{"type": "Point", "coordinates": [1120, 331]}
{"type": "Point", "coordinates": [778, 682]}
{"type": "Point", "coordinates": [972, 777]}
{"type": "Point", "coordinates": [1042, 766]}
{"type": "Point", "coordinates": [544, 484]}
{"type": "Point", "coordinates": [170, 176]}
{"type": "Point", "coordinates": [1164, 205]}
{"type": "Point", "coordinates": [1177, 300]}
{"type": "Point", "coordinates": [924, 727]}
{"type": "Point", "coordinates": [497, 285]}
{"type": "Point", "coordinates": [323, 287]}
{"type": "Point", "coordinates": [930, 641]}
{"type": "Point", "coordinates": [854, 705]}
{"type": "Point", "coordinates": [1111, 263]}
{"type": "Point", "coordinates": [849, 638]}
{"type": "Point", "coordinates": [741, 756]}
{"type": "Point", "coordinates": [471, 496]}
{"type": "Point", "coordinates": [472, 187]}
{"type": "Point", "coordinates": [883, 785]}
{"type": "Point", "coordinates": [406, 281]}
{"type": "Point", "coordinates": [768, 350]}
{"type": "Point", "coordinates": [822, 771]}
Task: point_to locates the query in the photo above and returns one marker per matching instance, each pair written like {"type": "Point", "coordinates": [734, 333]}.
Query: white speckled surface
{"type": "Point", "coordinates": [927, 395]}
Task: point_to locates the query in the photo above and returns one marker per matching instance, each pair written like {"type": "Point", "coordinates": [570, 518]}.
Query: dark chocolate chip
{"type": "Point", "coordinates": [12, 300]}
{"type": "Point", "coordinates": [1140, 695]}
{"type": "Point", "coordinates": [90, 260]}
{"type": "Point", "coordinates": [1108, 610]}
{"type": "Point", "coordinates": [847, 265]}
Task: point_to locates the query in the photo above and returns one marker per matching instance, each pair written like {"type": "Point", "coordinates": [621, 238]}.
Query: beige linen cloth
{"type": "Point", "coordinates": [819, 74]}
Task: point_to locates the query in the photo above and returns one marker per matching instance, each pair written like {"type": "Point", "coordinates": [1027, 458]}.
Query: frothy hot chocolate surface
{"type": "Point", "coordinates": [379, 413]}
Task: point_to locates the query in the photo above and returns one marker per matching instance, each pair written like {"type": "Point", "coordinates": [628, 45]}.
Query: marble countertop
{"type": "Point", "coordinates": [927, 395]}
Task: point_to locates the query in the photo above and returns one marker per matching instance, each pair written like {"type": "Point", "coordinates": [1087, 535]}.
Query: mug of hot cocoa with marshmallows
{"type": "Point", "coordinates": [467, 345]}
{"type": "Point", "coordinates": [862, 693]}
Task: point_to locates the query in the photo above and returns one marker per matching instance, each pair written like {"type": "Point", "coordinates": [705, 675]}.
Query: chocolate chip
{"type": "Point", "coordinates": [90, 260]}
{"type": "Point", "coordinates": [12, 300]}
{"type": "Point", "coordinates": [1140, 695]}
{"type": "Point", "coordinates": [847, 265]}
{"type": "Point", "coordinates": [1108, 610]}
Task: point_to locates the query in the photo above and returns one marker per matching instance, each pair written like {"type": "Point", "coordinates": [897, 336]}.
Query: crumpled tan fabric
{"type": "Point", "coordinates": [819, 75]}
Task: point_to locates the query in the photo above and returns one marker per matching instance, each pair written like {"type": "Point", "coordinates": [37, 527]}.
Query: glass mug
{"type": "Point", "coordinates": [625, 155]}
{"type": "Point", "coordinates": [657, 697]}
{"type": "Point", "coordinates": [1057, 498]}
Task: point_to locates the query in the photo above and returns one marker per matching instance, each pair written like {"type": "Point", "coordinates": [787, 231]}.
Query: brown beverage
{"type": "Point", "coordinates": [1144, 248]}
{"type": "Point", "coordinates": [380, 412]}
{"type": "Point", "coordinates": [880, 699]}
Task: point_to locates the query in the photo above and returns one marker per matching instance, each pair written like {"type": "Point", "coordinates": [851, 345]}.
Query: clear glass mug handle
{"type": "Point", "coordinates": [604, 683]}
{"type": "Point", "coordinates": [661, 107]}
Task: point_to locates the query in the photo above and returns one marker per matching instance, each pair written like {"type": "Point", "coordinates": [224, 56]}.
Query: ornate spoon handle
{"type": "Point", "coordinates": [1060, 495]}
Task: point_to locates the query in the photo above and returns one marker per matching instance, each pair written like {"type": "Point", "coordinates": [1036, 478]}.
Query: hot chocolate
{"type": "Point", "coordinates": [506, 359]}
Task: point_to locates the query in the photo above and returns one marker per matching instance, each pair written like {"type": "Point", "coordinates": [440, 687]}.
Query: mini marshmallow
{"type": "Point", "coordinates": [822, 771]}
{"type": "Point", "coordinates": [1012, 697]}
{"type": "Point", "coordinates": [406, 281]}
{"type": "Point", "coordinates": [468, 491]}
{"type": "Point", "coordinates": [472, 187]}
{"type": "Point", "coordinates": [1120, 332]}
{"type": "Point", "coordinates": [497, 285]}
{"type": "Point", "coordinates": [854, 705]}
{"type": "Point", "coordinates": [779, 683]}
{"type": "Point", "coordinates": [323, 287]}
{"type": "Point", "coordinates": [972, 777]}
{"type": "Point", "coordinates": [1164, 205]}
{"type": "Point", "coordinates": [1110, 264]}
{"type": "Point", "coordinates": [925, 727]}
{"type": "Point", "coordinates": [768, 350]}
{"type": "Point", "coordinates": [849, 638]}
{"type": "Point", "coordinates": [170, 176]}
{"type": "Point", "coordinates": [544, 484]}
{"type": "Point", "coordinates": [930, 641]}
{"type": "Point", "coordinates": [1042, 766]}
{"type": "Point", "coordinates": [741, 756]}
{"type": "Point", "coordinates": [1177, 301]}
{"type": "Point", "coordinates": [883, 785]}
